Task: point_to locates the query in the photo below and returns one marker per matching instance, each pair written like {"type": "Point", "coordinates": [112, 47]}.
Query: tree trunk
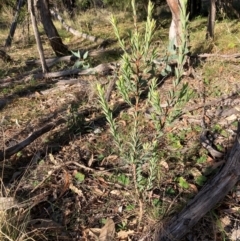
{"type": "Point", "coordinates": [56, 42]}
{"type": "Point", "coordinates": [8, 42]}
{"type": "Point", "coordinates": [211, 20]}
{"type": "Point", "coordinates": [37, 37]}
{"type": "Point", "coordinates": [194, 8]}
{"type": "Point", "coordinates": [4, 56]}
{"type": "Point", "coordinates": [175, 28]}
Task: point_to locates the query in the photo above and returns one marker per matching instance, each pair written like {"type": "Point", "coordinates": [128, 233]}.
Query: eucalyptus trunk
{"type": "Point", "coordinates": [56, 42]}
{"type": "Point", "coordinates": [211, 19]}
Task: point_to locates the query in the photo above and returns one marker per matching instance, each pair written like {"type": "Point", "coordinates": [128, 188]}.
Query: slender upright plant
{"type": "Point", "coordinates": [135, 75]}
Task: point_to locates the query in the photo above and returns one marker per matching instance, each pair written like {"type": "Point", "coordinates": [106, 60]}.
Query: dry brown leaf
{"type": "Point", "coordinates": [97, 191]}
{"type": "Point", "coordinates": [66, 180]}
{"type": "Point", "coordinates": [52, 159]}
{"type": "Point", "coordinates": [101, 180]}
{"type": "Point", "coordinates": [115, 192]}
{"type": "Point", "coordinates": [123, 123]}
{"type": "Point", "coordinates": [164, 164]}
{"type": "Point", "coordinates": [107, 231]}
{"type": "Point", "coordinates": [194, 188]}
{"type": "Point", "coordinates": [109, 159]}
{"type": "Point", "coordinates": [90, 161]}
{"type": "Point", "coordinates": [123, 235]}
{"type": "Point", "coordinates": [94, 232]}
{"type": "Point", "coordinates": [76, 190]}
{"type": "Point", "coordinates": [235, 235]}
{"type": "Point", "coordinates": [225, 221]}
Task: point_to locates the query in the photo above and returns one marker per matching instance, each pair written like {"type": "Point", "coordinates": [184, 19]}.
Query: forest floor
{"type": "Point", "coordinates": [71, 183]}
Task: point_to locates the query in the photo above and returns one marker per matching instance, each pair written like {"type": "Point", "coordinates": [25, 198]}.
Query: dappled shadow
{"type": "Point", "coordinates": [23, 91]}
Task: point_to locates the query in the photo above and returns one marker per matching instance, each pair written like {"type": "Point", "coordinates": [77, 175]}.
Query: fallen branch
{"type": "Point", "coordinates": [228, 56]}
{"type": "Point", "coordinates": [36, 134]}
{"type": "Point", "coordinates": [91, 38]}
{"type": "Point", "coordinates": [18, 79]}
{"type": "Point", "coordinates": [220, 101]}
{"type": "Point", "coordinates": [101, 69]}
{"type": "Point", "coordinates": [211, 194]}
{"type": "Point", "coordinates": [5, 57]}
{"type": "Point", "coordinates": [18, 147]}
{"type": "Point", "coordinates": [92, 53]}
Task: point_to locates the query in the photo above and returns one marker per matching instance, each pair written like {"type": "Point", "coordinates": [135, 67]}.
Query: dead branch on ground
{"type": "Point", "coordinates": [219, 101]}
{"type": "Point", "coordinates": [8, 152]}
{"type": "Point", "coordinates": [225, 56]}
{"type": "Point", "coordinates": [101, 69]}
{"type": "Point", "coordinates": [211, 194]}
{"type": "Point", "coordinates": [18, 147]}
{"type": "Point", "coordinates": [102, 42]}
{"type": "Point", "coordinates": [5, 57]}
{"type": "Point", "coordinates": [100, 53]}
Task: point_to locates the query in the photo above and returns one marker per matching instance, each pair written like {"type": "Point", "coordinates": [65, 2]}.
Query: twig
{"type": "Point", "coordinates": [36, 134]}
{"type": "Point", "coordinates": [18, 147]}
{"type": "Point", "coordinates": [228, 56]}
{"type": "Point", "coordinates": [210, 103]}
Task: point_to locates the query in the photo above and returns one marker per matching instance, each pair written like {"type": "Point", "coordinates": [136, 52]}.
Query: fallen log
{"type": "Point", "coordinates": [75, 32]}
{"type": "Point", "coordinates": [211, 194]}
{"type": "Point", "coordinates": [101, 69]}
{"type": "Point", "coordinates": [92, 53]}
{"type": "Point", "coordinates": [225, 56]}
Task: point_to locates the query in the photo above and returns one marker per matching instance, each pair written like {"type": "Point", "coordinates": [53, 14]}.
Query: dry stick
{"type": "Point", "coordinates": [100, 53]}
{"type": "Point", "coordinates": [211, 194]}
{"type": "Point", "coordinates": [227, 56]}
{"type": "Point", "coordinates": [213, 102]}
{"type": "Point", "coordinates": [37, 36]}
{"type": "Point", "coordinates": [75, 32]}
{"type": "Point", "coordinates": [18, 147]}
{"type": "Point", "coordinates": [101, 69]}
